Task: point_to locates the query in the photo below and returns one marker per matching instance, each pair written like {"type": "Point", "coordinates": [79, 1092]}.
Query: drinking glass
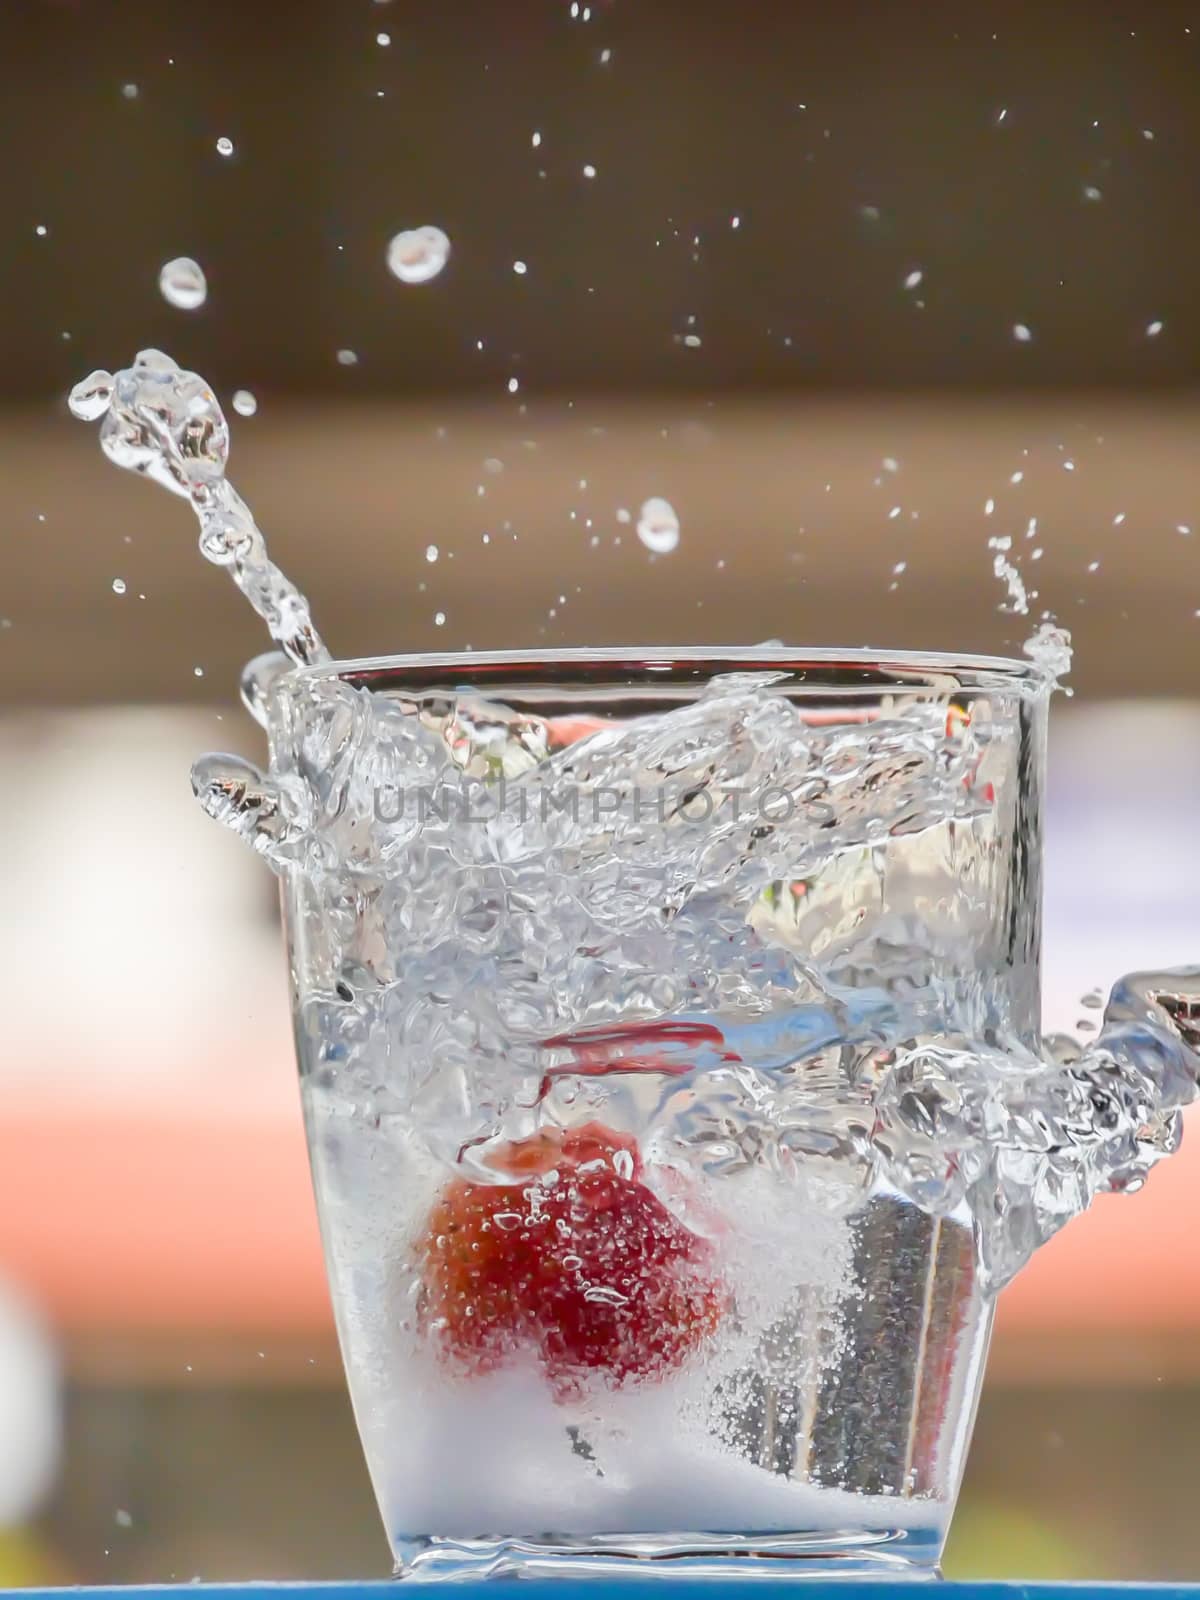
{"type": "Point", "coordinates": [606, 968]}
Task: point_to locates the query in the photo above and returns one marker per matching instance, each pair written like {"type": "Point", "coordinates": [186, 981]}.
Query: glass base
{"type": "Point", "coordinates": [882, 1553]}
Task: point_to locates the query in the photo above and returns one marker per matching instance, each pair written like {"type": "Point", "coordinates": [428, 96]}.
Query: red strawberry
{"type": "Point", "coordinates": [578, 1262]}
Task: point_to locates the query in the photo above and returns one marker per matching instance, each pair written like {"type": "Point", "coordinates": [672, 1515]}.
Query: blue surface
{"type": "Point", "coordinates": [657, 1588]}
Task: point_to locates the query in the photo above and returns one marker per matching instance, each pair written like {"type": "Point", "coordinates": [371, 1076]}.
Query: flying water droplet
{"type": "Point", "coordinates": [347, 358]}
{"type": "Point", "coordinates": [224, 146]}
{"type": "Point", "coordinates": [1153, 329]}
{"type": "Point", "coordinates": [118, 586]}
{"type": "Point", "coordinates": [431, 552]}
{"type": "Point", "coordinates": [520, 268]}
{"type": "Point", "coordinates": [439, 619]}
{"type": "Point", "coordinates": [89, 398]}
{"type": "Point", "coordinates": [130, 91]}
{"type": "Point", "coordinates": [244, 403]}
{"type": "Point", "coordinates": [418, 254]}
{"type": "Point", "coordinates": [182, 284]}
{"type": "Point", "coordinates": [1022, 333]}
{"type": "Point", "coordinates": [658, 526]}
{"type": "Point", "coordinates": [914, 278]}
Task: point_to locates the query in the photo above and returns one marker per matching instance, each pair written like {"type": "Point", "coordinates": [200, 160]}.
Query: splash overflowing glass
{"type": "Point", "coordinates": [668, 1030]}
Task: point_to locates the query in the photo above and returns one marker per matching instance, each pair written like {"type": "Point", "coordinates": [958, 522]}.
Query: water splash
{"type": "Point", "coordinates": [1010, 576]}
{"type": "Point", "coordinates": [167, 424]}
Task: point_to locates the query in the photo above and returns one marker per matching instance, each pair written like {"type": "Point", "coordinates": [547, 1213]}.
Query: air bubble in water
{"type": "Point", "coordinates": [244, 403]}
{"type": "Point", "coordinates": [183, 284]}
{"type": "Point", "coordinates": [658, 526]}
{"type": "Point", "coordinates": [224, 146]}
{"type": "Point", "coordinates": [418, 254]}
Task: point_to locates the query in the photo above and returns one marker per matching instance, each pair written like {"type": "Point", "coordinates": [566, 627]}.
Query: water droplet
{"type": "Point", "coordinates": [182, 284]}
{"type": "Point", "coordinates": [89, 398]}
{"type": "Point", "coordinates": [123, 1519]}
{"type": "Point", "coordinates": [605, 57]}
{"type": "Point", "coordinates": [589, 170]}
{"type": "Point", "coordinates": [418, 254]}
{"type": "Point", "coordinates": [1093, 566]}
{"type": "Point", "coordinates": [1002, 114]}
{"type": "Point", "coordinates": [130, 91]}
{"type": "Point", "coordinates": [913, 278]}
{"type": "Point", "coordinates": [989, 506]}
{"type": "Point", "coordinates": [224, 146]}
{"type": "Point", "coordinates": [520, 268]}
{"type": "Point", "coordinates": [244, 403]}
{"type": "Point", "coordinates": [1017, 477]}
{"type": "Point", "coordinates": [536, 140]}
{"type": "Point", "coordinates": [383, 39]}
{"type": "Point", "coordinates": [347, 358]}
{"type": "Point", "coordinates": [1182, 527]}
{"type": "Point", "coordinates": [658, 525]}
{"type": "Point", "coordinates": [1118, 519]}
{"type": "Point", "coordinates": [198, 671]}
{"type": "Point", "coordinates": [431, 552]}
{"type": "Point", "coordinates": [893, 513]}
{"type": "Point", "coordinates": [1147, 133]}
{"type": "Point", "coordinates": [513, 385]}
{"type": "Point", "coordinates": [1068, 466]}
{"type": "Point", "coordinates": [692, 340]}
{"type": "Point", "coordinates": [118, 585]}
{"type": "Point", "coordinates": [1090, 192]}
{"type": "Point", "coordinates": [1021, 333]}
{"type": "Point", "coordinates": [41, 230]}
{"type": "Point", "coordinates": [439, 619]}
{"type": "Point", "coordinates": [869, 213]}
{"type": "Point", "coordinates": [1153, 329]}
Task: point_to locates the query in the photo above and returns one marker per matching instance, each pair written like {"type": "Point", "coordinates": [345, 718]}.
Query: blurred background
{"type": "Point", "coordinates": [857, 289]}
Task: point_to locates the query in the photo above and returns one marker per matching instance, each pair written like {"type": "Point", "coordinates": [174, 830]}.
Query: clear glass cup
{"type": "Point", "coordinates": [591, 1069]}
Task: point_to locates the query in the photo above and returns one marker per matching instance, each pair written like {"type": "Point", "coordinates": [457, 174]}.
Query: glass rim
{"type": "Point", "coordinates": [824, 669]}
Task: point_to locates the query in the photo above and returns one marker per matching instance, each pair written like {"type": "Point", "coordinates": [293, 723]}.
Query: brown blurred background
{"type": "Point", "coordinates": [839, 446]}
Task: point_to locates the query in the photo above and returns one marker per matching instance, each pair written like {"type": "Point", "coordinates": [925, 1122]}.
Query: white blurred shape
{"type": "Point", "coordinates": [30, 1419]}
